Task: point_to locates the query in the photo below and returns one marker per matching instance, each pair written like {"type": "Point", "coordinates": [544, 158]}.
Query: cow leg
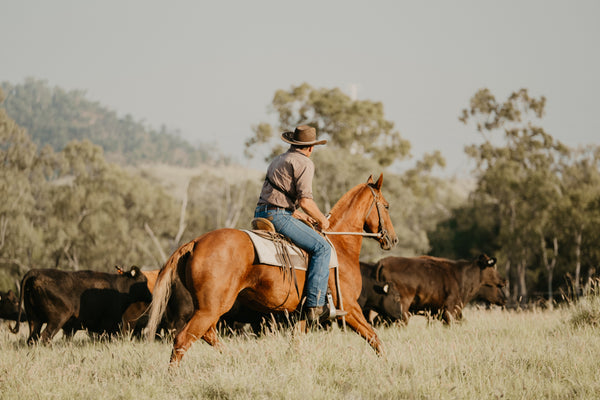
{"type": "Point", "coordinates": [52, 328]}
{"type": "Point", "coordinates": [356, 320]}
{"type": "Point", "coordinates": [197, 327]}
{"type": "Point", "coordinates": [35, 328]}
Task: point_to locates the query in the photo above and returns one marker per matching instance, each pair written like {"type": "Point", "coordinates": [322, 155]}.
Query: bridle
{"type": "Point", "coordinates": [381, 231]}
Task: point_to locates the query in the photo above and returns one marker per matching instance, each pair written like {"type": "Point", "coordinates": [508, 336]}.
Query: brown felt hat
{"type": "Point", "coordinates": [303, 135]}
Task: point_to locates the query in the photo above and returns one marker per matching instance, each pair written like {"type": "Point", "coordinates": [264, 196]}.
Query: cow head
{"type": "Point", "coordinates": [390, 299]}
{"type": "Point", "coordinates": [492, 284]}
{"type": "Point", "coordinates": [491, 294]}
{"type": "Point", "coordinates": [139, 283]}
{"type": "Point", "coordinates": [485, 261]}
{"type": "Point", "coordinates": [9, 305]}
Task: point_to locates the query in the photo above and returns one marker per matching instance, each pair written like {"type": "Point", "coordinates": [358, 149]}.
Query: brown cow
{"type": "Point", "coordinates": [437, 284]}
{"type": "Point", "coordinates": [492, 291]}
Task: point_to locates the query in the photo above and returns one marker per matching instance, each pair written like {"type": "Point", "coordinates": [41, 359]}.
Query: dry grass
{"type": "Point", "coordinates": [493, 354]}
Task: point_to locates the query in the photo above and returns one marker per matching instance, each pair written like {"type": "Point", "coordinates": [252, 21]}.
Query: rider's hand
{"type": "Point", "coordinates": [324, 224]}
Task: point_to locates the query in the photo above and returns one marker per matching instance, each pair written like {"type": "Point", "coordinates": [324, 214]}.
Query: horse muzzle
{"type": "Point", "coordinates": [386, 242]}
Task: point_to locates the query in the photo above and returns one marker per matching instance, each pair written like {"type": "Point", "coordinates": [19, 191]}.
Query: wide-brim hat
{"type": "Point", "coordinates": [303, 135]}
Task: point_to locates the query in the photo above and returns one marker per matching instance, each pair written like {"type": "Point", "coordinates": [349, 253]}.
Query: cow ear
{"type": "Point", "coordinates": [386, 288]}
{"type": "Point", "coordinates": [135, 271]}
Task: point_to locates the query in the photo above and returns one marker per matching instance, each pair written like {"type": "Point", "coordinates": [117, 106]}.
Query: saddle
{"type": "Point", "coordinates": [273, 248]}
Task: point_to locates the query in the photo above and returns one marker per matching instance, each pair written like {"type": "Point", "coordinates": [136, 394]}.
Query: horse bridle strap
{"type": "Point", "coordinates": [382, 232]}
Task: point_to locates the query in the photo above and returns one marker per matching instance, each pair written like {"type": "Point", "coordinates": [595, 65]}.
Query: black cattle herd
{"type": "Point", "coordinates": [110, 304]}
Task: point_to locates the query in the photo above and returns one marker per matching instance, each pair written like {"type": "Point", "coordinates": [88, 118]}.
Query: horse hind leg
{"type": "Point", "coordinates": [201, 325]}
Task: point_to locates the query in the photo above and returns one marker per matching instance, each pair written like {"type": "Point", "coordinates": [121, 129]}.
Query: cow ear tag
{"type": "Point", "coordinates": [133, 273]}
{"type": "Point", "coordinates": [386, 287]}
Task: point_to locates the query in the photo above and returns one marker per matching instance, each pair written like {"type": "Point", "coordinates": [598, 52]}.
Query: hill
{"type": "Point", "coordinates": [53, 116]}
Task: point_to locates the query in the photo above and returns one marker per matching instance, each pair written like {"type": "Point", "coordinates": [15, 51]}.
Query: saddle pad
{"type": "Point", "coordinates": [269, 253]}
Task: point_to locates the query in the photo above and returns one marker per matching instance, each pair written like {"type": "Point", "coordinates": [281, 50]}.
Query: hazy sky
{"type": "Point", "coordinates": [210, 69]}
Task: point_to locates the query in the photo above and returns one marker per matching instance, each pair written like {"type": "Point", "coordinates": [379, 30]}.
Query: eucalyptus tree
{"type": "Point", "coordinates": [25, 177]}
{"type": "Point", "coordinates": [357, 126]}
{"type": "Point", "coordinates": [104, 213]}
{"type": "Point", "coordinates": [578, 213]}
{"type": "Point", "coordinates": [517, 166]}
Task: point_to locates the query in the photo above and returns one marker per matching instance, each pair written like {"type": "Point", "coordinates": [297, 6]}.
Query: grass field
{"type": "Point", "coordinates": [493, 354]}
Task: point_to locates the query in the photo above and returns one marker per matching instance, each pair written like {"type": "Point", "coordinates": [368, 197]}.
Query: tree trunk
{"type": "Point", "coordinates": [549, 266]}
{"type": "Point", "coordinates": [577, 261]}
{"type": "Point", "coordinates": [512, 296]}
{"type": "Point", "coordinates": [521, 273]}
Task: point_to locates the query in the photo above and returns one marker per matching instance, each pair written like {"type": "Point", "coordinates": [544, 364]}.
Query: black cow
{"type": "Point", "coordinates": [179, 309]}
{"type": "Point", "coordinates": [9, 306]}
{"type": "Point", "coordinates": [380, 297]}
{"type": "Point", "coordinates": [78, 300]}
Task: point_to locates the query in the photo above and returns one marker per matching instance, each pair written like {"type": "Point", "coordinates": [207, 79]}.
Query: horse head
{"type": "Point", "coordinates": [377, 218]}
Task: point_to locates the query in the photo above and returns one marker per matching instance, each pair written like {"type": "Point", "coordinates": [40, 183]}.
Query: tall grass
{"type": "Point", "coordinates": [491, 355]}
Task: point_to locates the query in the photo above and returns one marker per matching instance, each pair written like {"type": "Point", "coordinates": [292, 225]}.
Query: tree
{"type": "Point", "coordinates": [25, 176]}
{"type": "Point", "coordinates": [356, 126]}
{"type": "Point", "coordinates": [517, 171]}
{"type": "Point", "coordinates": [578, 214]}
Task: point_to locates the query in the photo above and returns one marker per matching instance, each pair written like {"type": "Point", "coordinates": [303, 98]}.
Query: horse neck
{"type": "Point", "coordinates": [348, 215]}
{"type": "Point", "coordinates": [350, 212]}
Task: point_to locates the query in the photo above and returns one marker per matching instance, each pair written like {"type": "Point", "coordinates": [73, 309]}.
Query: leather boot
{"type": "Point", "coordinates": [320, 314]}
{"type": "Point", "coordinates": [313, 316]}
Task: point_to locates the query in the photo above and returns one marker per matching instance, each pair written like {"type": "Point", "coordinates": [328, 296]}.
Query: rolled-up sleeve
{"type": "Point", "coordinates": [304, 177]}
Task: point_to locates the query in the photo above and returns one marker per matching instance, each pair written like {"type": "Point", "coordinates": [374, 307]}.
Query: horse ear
{"type": "Point", "coordinates": [379, 182]}
{"type": "Point", "coordinates": [370, 180]}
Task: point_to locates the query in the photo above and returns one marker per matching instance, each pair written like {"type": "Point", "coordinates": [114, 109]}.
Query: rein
{"type": "Point", "coordinates": [382, 232]}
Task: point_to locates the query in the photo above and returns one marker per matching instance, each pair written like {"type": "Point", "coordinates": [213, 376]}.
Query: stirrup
{"type": "Point", "coordinates": [333, 311]}
{"type": "Point", "coordinates": [262, 224]}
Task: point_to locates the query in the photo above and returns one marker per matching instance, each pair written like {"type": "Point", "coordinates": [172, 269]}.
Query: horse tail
{"type": "Point", "coordinates": [27, 276]}
{"type": "Point", "coordinates": [162, 288]}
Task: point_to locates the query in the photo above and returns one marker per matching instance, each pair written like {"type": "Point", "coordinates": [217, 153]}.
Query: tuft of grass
{"type": "Point", "coordinates": [586, 310]}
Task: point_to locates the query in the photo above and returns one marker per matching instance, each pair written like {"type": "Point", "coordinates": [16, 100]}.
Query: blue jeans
{"type": "Point", "coordinates": [307, 239]}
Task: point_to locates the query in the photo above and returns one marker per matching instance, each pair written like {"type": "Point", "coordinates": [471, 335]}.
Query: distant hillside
{"type": "Point", "coordinates": [54, 116]}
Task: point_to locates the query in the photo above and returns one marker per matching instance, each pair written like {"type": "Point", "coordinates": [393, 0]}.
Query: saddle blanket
{"type": "Point", "coordinates": [271, 253]}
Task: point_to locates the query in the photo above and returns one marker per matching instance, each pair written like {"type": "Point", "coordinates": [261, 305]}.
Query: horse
{"type": "Point", "coordinates": [219, 267]}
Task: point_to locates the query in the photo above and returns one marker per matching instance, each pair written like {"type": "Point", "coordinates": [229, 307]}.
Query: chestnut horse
{"type": "Point", "coordinates": [219, 267]}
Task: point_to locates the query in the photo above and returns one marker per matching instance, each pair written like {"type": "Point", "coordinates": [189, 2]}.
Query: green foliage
{"type": "Point", "coordinates": [357, 127]}
{"type": "Point", "coordinates": [55, 117]}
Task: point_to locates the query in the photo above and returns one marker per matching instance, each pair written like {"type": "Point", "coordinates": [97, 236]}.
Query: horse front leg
{"type": "Point", "coordinates": [359, 324]}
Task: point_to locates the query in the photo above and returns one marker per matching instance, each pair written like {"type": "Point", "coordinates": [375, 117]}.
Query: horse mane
{"type": "Point", "coordinates": [342, 203]}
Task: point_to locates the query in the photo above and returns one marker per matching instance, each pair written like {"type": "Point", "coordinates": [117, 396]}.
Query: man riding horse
{"type": "Point", "coordinates": [287, 186]}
